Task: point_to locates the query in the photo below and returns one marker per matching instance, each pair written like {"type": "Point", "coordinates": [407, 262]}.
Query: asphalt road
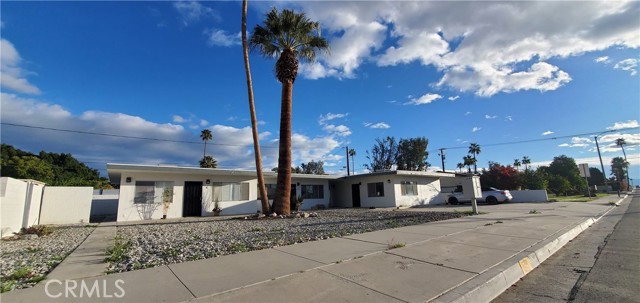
{"type": "Point", "coordinates": [600, 265]}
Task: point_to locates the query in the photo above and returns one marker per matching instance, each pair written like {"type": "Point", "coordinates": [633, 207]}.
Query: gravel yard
{"type": "Point", "coordinates": [28, 260]}
{"type": "Point", "coordinates": [150, 245]}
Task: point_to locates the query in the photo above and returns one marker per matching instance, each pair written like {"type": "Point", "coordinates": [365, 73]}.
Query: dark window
{"type": "Point", "coordinates": [375, 189]}
{"type": "Point", "coordinates": [271, 191]}
{"type": "Point", "coordinates": [312, 191]}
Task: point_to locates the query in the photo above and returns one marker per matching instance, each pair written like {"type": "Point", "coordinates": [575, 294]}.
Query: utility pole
{"type": "Point", "coordinates": [348, 170]}
{"type": "Point", "coordinates": [442, 158]}
{"type": "Point", "coordinates": [604, 174]}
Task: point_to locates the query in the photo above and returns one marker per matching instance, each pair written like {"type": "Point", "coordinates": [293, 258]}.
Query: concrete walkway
{"type": "Point", "coordinates": [87, 260]}
{"type": "Point", "coordinates": [470, 259]}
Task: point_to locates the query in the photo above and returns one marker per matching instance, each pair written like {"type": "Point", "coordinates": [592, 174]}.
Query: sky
{"type": "Point", "coordinates": [136, 82]}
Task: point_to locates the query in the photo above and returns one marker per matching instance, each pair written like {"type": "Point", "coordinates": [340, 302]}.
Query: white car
{"type": "Point", "coordinates": [490, 195]}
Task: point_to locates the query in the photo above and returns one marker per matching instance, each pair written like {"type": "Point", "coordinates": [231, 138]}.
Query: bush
{"type": "Point", "coordinates": [40, 230]}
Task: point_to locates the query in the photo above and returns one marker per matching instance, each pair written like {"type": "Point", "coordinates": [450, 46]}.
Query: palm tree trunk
{"type": "Point", "coordinates": [281, 204]}
{"type": "Point", "coordinates": [475, 164]}
{"type": "Point", "coordinates": [204, 155]}
{"type": "Point", "coordinates": [264, 199]}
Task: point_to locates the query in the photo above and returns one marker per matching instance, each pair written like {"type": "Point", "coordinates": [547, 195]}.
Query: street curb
{"type": "Point", "coordinates": [494, 281]}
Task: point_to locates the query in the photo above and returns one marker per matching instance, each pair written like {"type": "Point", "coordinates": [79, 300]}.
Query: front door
{"type": "Point", "coordinates": [355, 195]}
{"type": "Point", "coordinates": [293, 199]}
{"type": "Point", "coordinates": [192, 205]}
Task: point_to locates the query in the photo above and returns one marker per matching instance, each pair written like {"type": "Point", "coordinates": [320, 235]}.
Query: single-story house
{"type": "Point", "coordinates": [154, 192]}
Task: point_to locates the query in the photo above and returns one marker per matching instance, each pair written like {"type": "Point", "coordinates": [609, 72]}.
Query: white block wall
{"type": "Point", "coordinates": [529, 195]}
{"type": "Point", "coordinates": [66, 205]}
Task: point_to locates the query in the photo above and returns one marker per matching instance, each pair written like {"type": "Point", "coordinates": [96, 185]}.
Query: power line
{"type": "Point", "coordinates": [541, 139]}
{"type": "Point", "coordinates": [121, 136]}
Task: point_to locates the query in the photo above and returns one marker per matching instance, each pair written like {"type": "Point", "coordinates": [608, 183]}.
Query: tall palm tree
{"type": "Point", "coordinates": [208, 162]}
{"type": "Point", "coordinates": [291, 36]}
{"type": "Point", "coordinates": [517, 163]}
{"type": "Point", "coordinates": [468, 161]}
{"type": "Point", "coordinates": [205, 135]}
{"type": "Point", "coordinates": [474, 149]}
{"type": "Point", "coordinates": [352, 153]}
{"type": "Point", "coordinates": [621, 142]}
{"type": "Point", "coordinates": [460, 166]}
{"type": "Point", "coordinates": [264, 200]}
{"type": "Point", "coordinates": [526, 161]}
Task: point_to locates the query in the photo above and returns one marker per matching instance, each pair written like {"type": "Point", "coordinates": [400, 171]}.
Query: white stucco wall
{"type": "Point", "coordinates": [428, 190]}
{"type": "Point", "coordinates": [66, 205]}
{"type": "Point", "coordinates": [20, 204]}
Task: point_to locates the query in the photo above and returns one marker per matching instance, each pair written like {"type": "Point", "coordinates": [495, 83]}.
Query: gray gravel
{"type": "Point", "coordinates": [26, 261]}
{"type": "Point", "coordinates": [150, 245]}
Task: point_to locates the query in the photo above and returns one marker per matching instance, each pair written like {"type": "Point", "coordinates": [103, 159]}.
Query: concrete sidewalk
{"type": "Point", "coordinates": [471, 259]}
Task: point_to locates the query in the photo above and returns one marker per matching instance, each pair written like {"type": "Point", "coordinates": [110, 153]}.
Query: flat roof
{"type": "Point", "coordinates": [115, 170]}
{"type": "Point", "coordinates": [403, 173]}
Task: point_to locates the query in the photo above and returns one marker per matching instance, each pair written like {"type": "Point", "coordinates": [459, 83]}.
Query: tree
{"type": "Point", "coordinates": [619, 169]}
{"type": "Point", "coordinates": [291, 36]}
{"type": "Point", "coordinates": [567, 168]}
{"type": "Point", "coordinates": [533, 179]}
{"type": "Point", "coordinates": [621, 142]}
{"type": "Point", "coordinates": [205, 135]}
{"type": "Point", "coordinates": [517, 163]}
{"type": "Point", "coordinates": [468, 162]}
{"type": "Point", "coordinates": [352, 153]}
{"type": "Point", "coordinates": [499, 176]}
{"type": "Point", "coordinates": [474, 149]}
{"type": "Point", "coordinates": [383, 154]}
{"type": "Point", "coordinates": [312, 168]}
{"type": "Point", "coordinates": [29, 167]}
{"type": "Point", "coordinates": [208, 162]}
{"type": "Point", "coordinates": [597, 177]}
{"type": "Point", "coordinates": [559, 185]}
{"type": "Point", "coordinates": [262, 189]}
{"type": "Point", "coordinates": [412, 154]}
{"type": "Point", "coordinates": [526, 161]}
{"type": "Point", "coordinates": [460, 166]}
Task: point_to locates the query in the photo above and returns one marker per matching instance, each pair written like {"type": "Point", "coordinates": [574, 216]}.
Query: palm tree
{"type": "Point", "coordinates": [205, 135]}
{"type": "Point", "coordinates": [517, 163]}
{"type": "Point", "coordinates": [264, 200]}
{"type": "Point", "coordinates": [474, 149]}
{"type": "Point", "coordinates": [460, 166]}
{"type": "Point", "coordinates": [291, 36]}
{"type": "Point", "coordinates": [208, 162]}
{"type": "Point", "coordinates": [352, 153]}
{"type": "Point", "coordinates": [468, 161]}
{"type": "Point", "coordinates": [526, 161]}
{"type": "Point", "coordinates": [621, 142]}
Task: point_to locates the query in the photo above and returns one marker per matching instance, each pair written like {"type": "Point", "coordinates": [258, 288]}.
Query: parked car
{"type": "Point", "coordinates": [490, 195]}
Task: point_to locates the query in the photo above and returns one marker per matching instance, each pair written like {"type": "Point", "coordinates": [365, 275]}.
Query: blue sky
{"type": "Point", "coordinates": [453, 72]}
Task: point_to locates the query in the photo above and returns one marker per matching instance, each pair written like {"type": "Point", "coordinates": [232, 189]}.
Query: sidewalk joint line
{"type": "Point", "coordinates": [185, 286]}
{"type": "Point", "coordinates": [369, 288]}
{"type": "Point", "coordinates": [436, 264]}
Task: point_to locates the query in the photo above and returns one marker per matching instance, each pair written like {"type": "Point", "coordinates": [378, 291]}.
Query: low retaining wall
{"type": "Point", "coordinates": [537, 195]}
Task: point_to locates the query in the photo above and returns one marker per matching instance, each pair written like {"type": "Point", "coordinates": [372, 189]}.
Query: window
{"type": "Point", "coordinates": [271, 191]}
{"type": "Point", "coordinates": [153, 192]}
{"type": "Point", "coordinates": [230, 191]}
{"type": "Point", "coordinates": [409, 188]}
{"type": "Point", "coordinates": [313, 191]}
{"type": "Point", "coordinates": [375, 189]}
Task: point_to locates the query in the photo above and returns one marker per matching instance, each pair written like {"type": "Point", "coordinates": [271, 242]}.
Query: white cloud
{"type": "Point", "coordinates": [547, 133]}
{"type": "Point", "coordinates": [509, 118]}
{"type": "Point", "coordinates": [578, 142]}
{"type": "Point", "coordinates": [193, 11]}
{"type": "Point", "coordinates": [603, 59]}
{"type": "Point", "coordinates": [218, 37]}
{"type": "Point", "coordinates": [467, 113]}
{"type": "Point", "coordinates": [13, 76]}
{"type": "Point", "coordinates": [490, 117]}
{"type": "Point", "coordinates": [316, 70]}
{"type": "Point", "coordinates": [475, 129]}
{"type": "Point", "coordinates": [628, 65]}
{"type": "Point", "coordinates": [630, 139]}
{"type": "Point", "coordinates": [624, 124]}
{"type": "Point", "coordinates": [204, 123]}
{"type": "Point", "coordinates": [338, 130]}
{"type": "Point", "coordinates": [453, 98]}
{"type": "Point", "coordinates": [330, 116]}
{"type": "Point", "coordinates": [179, 119]}
{"type": "Point", "coordinates": [379, 125]}
{"type": "Point", "coordinates": [482, 47]}
{"type": "Point", "coordinates": [425, 99]}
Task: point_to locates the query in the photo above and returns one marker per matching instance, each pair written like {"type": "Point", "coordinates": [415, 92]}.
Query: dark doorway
{"type": "Point", "coordinates": [355, 194]}
{"type": "Point", "coordinates": [293, 199]}
{"type": "Point", "coordinates": [192, 205]}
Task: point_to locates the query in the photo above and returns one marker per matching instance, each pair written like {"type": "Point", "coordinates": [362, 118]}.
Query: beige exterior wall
{"type": "Point", "coordinates": [66, 205]}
